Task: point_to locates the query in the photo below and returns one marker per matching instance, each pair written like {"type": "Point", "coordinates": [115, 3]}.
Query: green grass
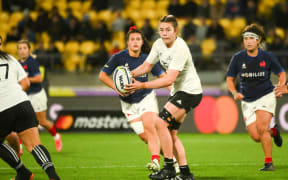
{"type": "Point", "coordinates": [94, 156]}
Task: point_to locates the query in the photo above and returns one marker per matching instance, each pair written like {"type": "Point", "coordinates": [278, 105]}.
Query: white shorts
{"type": "Point", "coordinates": [266, 103]}
{"type": "Point", "coordinates": [135, 110]}
{"type": "Point", "coordinates": [39, 101]}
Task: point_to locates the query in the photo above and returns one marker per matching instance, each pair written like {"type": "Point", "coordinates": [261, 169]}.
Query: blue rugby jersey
{"type": "Point", "coordinates": [254, 73]}
{"type": "Point", "coordinates": [123, 58]}
{"type": "Point", "coordinates": [31, 67]}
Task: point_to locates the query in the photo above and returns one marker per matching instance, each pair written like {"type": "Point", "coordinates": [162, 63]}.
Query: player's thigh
{"type": "Point", "coordinates": [25, 117]}
{"type": "Point", "coordinates": [175, 111]}
{"type": "Point", "coordinates": [149, 120]}
{"type": "Point", "coordinates": [263, 119]}
{"type": "Point", "coordinates": [253, 132]}
{"type": "Point", "coordinates": [7, 118]}
{"type": "Point", "coordinates": [181, 103]}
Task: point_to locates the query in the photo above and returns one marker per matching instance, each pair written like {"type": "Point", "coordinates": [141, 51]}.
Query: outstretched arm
{"type": "Point", "coordinates": [164, 81]}
{"type": "Point", "coordinates": [142, 69]}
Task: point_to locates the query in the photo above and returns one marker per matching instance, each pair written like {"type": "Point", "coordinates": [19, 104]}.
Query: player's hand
{"type": "Point", "coordinates": [279, 90]}
{"type": "Point", "coordinates": [121, 94]}
{"type": "Point", "coordinates": [136, 85]}
{"type": "Point", "coordinates": [238, 96]}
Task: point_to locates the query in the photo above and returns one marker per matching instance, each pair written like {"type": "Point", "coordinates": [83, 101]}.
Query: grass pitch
{"type": "Point", "coordinates": [113, 156]}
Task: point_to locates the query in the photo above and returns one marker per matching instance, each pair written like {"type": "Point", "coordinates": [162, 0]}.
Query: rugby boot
{"type": "Point", "coordinates": [183, 177]}
{"type": "Point", "coordinates": [277, 137]}
{"type": "Point", "coordinates": [164, 174]}
{"type": "Point", "coordinates": [267, 167]}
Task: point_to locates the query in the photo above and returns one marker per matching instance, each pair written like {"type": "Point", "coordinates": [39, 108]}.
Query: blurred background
{"type": "Point", "coordinates": [73, 39]}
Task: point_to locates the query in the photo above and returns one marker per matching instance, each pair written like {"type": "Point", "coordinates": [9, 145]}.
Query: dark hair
{"type": "Point", "coordinates": [257, 29]}
{"type": "Point", "coordinates": [170, 19]}
{"type": "Point", "coordinates": [23, 41]}
{"type": "Point", "coordinates": [145, 47]}
{"type": "Point", "coordinates": [2, 53]}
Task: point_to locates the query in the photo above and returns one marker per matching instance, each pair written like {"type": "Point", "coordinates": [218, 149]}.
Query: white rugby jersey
{"type": "Point", "coordinates": [179, 58]}
{"type": "Point", "coordinates": [11, 93]}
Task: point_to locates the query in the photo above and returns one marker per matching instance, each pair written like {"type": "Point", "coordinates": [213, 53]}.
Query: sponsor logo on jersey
{"type": "Point", "coordinates": [25, 67]}
{"type": "Point", "coordinates": [253, 74]}
{"type": "Point", "coordinates": [244, 66]}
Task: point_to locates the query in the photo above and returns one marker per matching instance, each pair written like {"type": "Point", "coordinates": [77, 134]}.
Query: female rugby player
{"type": "Point", "coordinates": [175, 57]}
{"type": "Point", "coordinates": [258, 100]}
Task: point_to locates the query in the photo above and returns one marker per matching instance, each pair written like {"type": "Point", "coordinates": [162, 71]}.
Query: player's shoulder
{"type": "Point", "coordinates": [30, 60]}
{"type": "Point", "coordinates": [268, 54]}
{"type": "Point", "coordinates": [239, 55]}
{"type": "Point", "coordinates": [121, 54]}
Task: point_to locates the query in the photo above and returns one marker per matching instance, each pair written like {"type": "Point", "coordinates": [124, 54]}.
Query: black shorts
{"type": "Point", "coordinates": [184, 100]}
{"type": "Point", "coordinates": [17, 118]}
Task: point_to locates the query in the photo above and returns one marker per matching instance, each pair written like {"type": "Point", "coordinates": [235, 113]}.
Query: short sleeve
{"type": "Point", "coordinates": [110, 65]}
{"type": "Point", "coordinates": [21, 74]}
{"type": "Point", "coordinates": [34, 68]}
{"type": "Point", "coordinates": [232, 68]}
{"type": "Point", "coordinates": [153, 55]}
{"type": "Point", "coordinates": [275, 65]}
{"type": "Point", "coordinates": [157, 70]}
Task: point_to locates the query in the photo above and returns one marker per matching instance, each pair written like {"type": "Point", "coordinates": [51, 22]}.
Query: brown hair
{"type": "Point", "coordinates": [170, 19]}
{"type": "Point", "coordinates": [24, 42]}
{"type": "Point", "coordinates": [145, 47]}
{"type": "Point", "coordinates": [257, 29]}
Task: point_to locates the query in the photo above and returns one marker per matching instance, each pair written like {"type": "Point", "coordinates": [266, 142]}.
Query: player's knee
{"type": "Point", "coordinates": [166, 115]}
{"type": "Point", "coordinates": [255, 138]}
{"type": "Point", "coordinates": [143, 137]}
{"type": "Point", "coordinates": [261, 130]}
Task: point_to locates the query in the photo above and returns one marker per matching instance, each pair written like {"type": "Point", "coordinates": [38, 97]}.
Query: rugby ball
{"type": "Point", "coordinates": [121, 77]}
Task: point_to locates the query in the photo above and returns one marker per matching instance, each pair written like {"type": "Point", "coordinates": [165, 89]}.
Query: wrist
{"type": "Point", "coordinates": [234, 92]}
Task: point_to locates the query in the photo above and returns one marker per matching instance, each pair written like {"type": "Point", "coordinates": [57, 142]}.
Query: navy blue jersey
{"type": "Point", "coordinates": [254, 73]}
{"type": "Point", "coordinates": [31, 67]}
{"type": "Point", "coordinates": [123, 58]}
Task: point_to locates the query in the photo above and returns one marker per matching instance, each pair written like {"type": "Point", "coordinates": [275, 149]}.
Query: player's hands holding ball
{"type": "Point", "coordinates": [136, 85]}
{"type": "Point", "coordinates": [122, 77]}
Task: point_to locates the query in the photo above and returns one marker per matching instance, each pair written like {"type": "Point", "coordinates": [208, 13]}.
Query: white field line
{"type": "Point", "coordinates": [140, 166]}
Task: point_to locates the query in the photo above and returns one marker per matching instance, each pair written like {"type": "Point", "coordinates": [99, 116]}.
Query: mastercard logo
{"type": "Point", "coordinates": [64, 122]}
{"type": "Point", "coordinates": [216, 115]}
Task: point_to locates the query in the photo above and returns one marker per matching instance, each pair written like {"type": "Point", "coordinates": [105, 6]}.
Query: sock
{"type": "Point", "coordinates": [43, 158]}
{"type": "Point", "coordinates": [185, 170]}
{"type": "Point", "coordinates": [156, 157]}
{"type": "Point", "coordinates": [272, 123]}
{"type": "Point", "coordinates": [168, 163]}
{"type": "Point", "coordinates": [268, 159]}
{"type": "Point", "coordinates": [52, 131]}
{"type": "Point", "coordinates": [274, 132]}
{"type": "Point", "coordinates": [10, 157]}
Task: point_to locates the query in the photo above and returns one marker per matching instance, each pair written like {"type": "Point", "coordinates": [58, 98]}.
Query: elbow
{"type": "Point", "coordinates": [102, 76]}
